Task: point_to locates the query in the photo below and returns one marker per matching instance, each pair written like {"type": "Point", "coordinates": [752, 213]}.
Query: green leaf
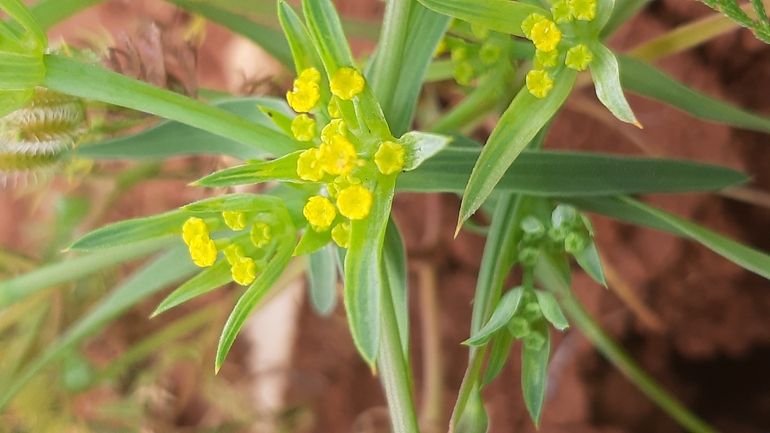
{"type": "Point", "coordinates": [547, 173]}
{"type": "Point", "coordinates": [283, 169]}
{"type": "Point", "coordinates": [172, 138]}
{"type": "Point", "coordinates": [606, 76]}
{"type": "Point", "coordinates": [133, 231]}
{"type": "Point", "coordinates": [251, 298]}
{"type": "Point", "coordinates": [517, 127]}
{"type": "Point", "coordinates": [168, 268]}
{"type": "Point", "coordinates": [238, 203]}
{"type": "Point", "coordinates": [646, 80]}
{"type": "Point", "coordinates": [363, 277]}
{"type": "Point", "coordinates": [18, 288]}
{"type": "Point", "coordinates": [12, 100]}
{"type": "Point", "coordinates": [501, 349]}
{"type": "Point", "coordinates": [604, 11]}
{"type": "Point", "coordinates": [302, 48]}
{"type": "Point", "coordinates": [589, 260]}
{"type": "Point", "coordinates": [282, 121]}
{"type": "Point", "coordinates": [209, 279]}
{"type": "Point", "coordinates": [322, 273]}
{"type": "Point", "coordinates": [394, 261]}
{"type": "Point", "coordinates": [270, 40]}
{"type": "Point", "coordinates": [534, 369]}
{"type": "Point", "coordinates": [551, 310]}
{"type": "Point", "coordinates": [48, 13]}
{"type": "Point", "coordinates": [636, 212]}
{"type": "Point", "coordinates": [421, 146]}
{"type": "Point", "coordinates": [19, 12]}
{"type": "Point", "coordinates": [499, 15]}
{"type": "Point", "coordinates": [20, 72]}
{"type": "Point", "coordinates": [88, 81]}
{"type": "Point", "coordinates": [504, 311]}
{"type": "Point", "coordinates": [326, 31]}
{"type": "Point", "coordinates": [312, 241]}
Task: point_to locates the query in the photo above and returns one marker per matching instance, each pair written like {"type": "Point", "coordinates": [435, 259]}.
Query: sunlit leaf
{"type": "Point", "coordinates": [283, 169]}
{"type": "Point", "coordinates": [207, 280]}
{"type": "Point", "coordinates": [606, 76]}
{"type": "Point", "coordinates": [551, 310]}
{"type": "Point", "coordinates": [421, 146]}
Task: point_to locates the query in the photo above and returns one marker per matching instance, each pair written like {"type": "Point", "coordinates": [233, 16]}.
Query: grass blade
{"type": "Point", "coordinates": [207, 280]}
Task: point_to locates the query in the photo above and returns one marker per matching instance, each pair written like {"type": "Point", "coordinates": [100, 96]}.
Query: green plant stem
{"type": "Point", "coordinates": [615, 354]}
{"type": "Point", "coordinates": [384, 72]}
{"type": "Point", "coordinates": [394, 371]}
{"type": "Point", "coordinates": [88, 81]}
{"type": "Point", "coordinates": [51, 12]}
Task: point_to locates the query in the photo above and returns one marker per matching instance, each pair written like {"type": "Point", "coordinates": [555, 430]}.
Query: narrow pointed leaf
{"type": "Point", "coordinates": [282, 121]}
{"type": "Point", "coordinates": [133, 231]}
{"type": "Point", "coordinates": [394, 261]}
{"type": "Point", "coordinates": [302, 48]}
{"type": "Point", "coordinates": [517, 127]}
{"type": "Point", "coordinates": [283, 169]}
{"type": "Point", "coordinates": [589, 260]}
{"type": "Point", "coordinates": [238, 203]}
{"type": "Point", "coordinates": [421, 146]}
{"type": "Point", "coordinates": [551, 310]}
{"type": "Point", "coordinates": [647, 80]}
{"type": "Point", "coordinates": [312, 241]}
{"type": "Point", "coordinates": [322, 287]}
{"type": "Point", "coordinates": [209, 279]}
{"type": "Point", "coordinates": [534, 369]}
{"type": "Point", "coordinates": [501, 350]}
{"type": "Point", "coordinates": [326, 30]}
{"type": "Point", "coordinates": [504, 311]}
{"type": "Point", "coordinates": [499, 15]}
{"type": "Point", "coordinates": [18, 11]}
{"type": "Point", "coordinates": [606, 76]}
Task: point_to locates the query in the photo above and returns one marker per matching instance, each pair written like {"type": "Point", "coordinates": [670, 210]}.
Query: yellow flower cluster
{"type": "Point", "coordinates": [336, 155]}
{"type": "Point", "coordinates": [354, 202]}
{"type": "Point", "coordinates": [243, 268]}
{"type": "Point", "coordinates": [542, 32]}
{"type": "Point", "coordinates": [306, 91]}
{"type": "Point", "coordinates": [347, 83]}
{"type": "Point", "coordinates": [235, 220]}
{"type": "Point", "coordinates": [203, 251]}
{"type": "Point", "coordinates": [389, 158]}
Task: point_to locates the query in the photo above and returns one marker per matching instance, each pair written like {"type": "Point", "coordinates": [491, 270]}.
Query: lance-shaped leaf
{"type": "Point", "coordinates": [133, 231]}
{"type": "Point", "coordinates": [312, 241]}
{"type": "Point", "coordinates": [395, 270]}
{"type": "Point", "coordinates": [589, 260]}
{"type": "Point", "coordinates": [363, 271]}
{"type": "Point", "coordinates": [517, 127]}
{"type": "Point", "coordinates": [238, 203]}
{"type": "Point", "coordinates": [504, 311]}
{"type": "Point", "coordinates": [499, 15]}
{"type": "Point", "coordinates": [420, 146]}
{"type": "Point", "coordinates": [19, 12]}
{"type": "Point", "coordinates": [534, 369]}
{"type": "Point", "coordinates": [324, 26]}
{"type": "Point", "coordinates": [302, 48]}
{"type": "Point", "coordinates": [282, 121]}
{"type": "Point", "coordinates": [606, 76]}
{"type": "Point", "coordinates": [551, 310]}
{"type": "Point", "coordinates": [322, 276]}
{"type": "Point", "coordinates": [604, 10]}
{"type": "Point", "coordinates": [283, 169]}
{"type": "Point", "coordinates": [501, 350]}
{"type": "Point", "coordinates": [207, 280]}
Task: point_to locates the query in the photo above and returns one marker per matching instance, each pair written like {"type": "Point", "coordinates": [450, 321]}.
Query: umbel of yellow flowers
{"type": "Point", "coordinates": [546, 35]}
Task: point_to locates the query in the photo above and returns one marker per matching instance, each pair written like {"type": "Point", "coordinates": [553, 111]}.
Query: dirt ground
{"type": "Point", "coordinates": [710, 344]}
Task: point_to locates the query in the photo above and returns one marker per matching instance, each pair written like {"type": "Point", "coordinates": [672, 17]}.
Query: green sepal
{"type": "Point", "coordinates": [606, 76]}
{"type": "Point", "coordinates": [420, 146]}
{"type": "Point", "coordinates": [589, 260]}
{"type": "Point", "coordinates": [502, 314]}
{"type": "Point", "coordinates": [551, 310]}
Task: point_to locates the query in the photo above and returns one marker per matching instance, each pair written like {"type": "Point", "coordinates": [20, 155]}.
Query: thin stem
{"type": "Point", "coordinates": [394, 372]}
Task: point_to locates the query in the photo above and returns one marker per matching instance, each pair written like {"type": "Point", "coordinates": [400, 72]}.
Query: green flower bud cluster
{"type": "Point", "coordinates": [475, 56]}
{"type": "Point", "coordinates": [524, 323]}
{"type": "Point", "coordinates": [569, 231]}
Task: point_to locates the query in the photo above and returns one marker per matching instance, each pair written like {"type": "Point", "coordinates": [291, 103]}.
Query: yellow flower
{"type": "Point", "coordinates": [320, 213]}
{"type": "Point", "coordinates": [389, 158]}
{"type": "Point", "coordinates": [261, 234]}
{"type": "Point", "coordinates": [203, 251]}
{"type": "Point", "coordinates": [303, 127]}
{"type": "Point", "coordinates": [193, 228]}
{"type": "Point", "coordinates": [310, 74]}
{"type": "Point", "coordinates": [539, 83]}
{"type": "Point", "coordinates": [578, 57]}
{"type": "Point", "coordinates": [235, 220]}
{"type": "Point", "coordinates": [545, 35]}
{"type": "Point", "coordinates": [341, 234]}
{"type": "Point", "coordinates": [338, 156]}
{"type": "Point", "coordinates": [335, 127]}
{"type": "Point", "coordinates": [303, 97]}
{"type": "Point", "coordinates": [584, 10]}
{"type": "Point", "coordinates": [561, 11]}
{"type": "Point", "coordinates": [355, 202]}
{"type": "Point", "coordinates": [546, 59]}
{"type": "Point", "coordinates": [308, 166]}
{"type": "Point", "coordinates": [529, 23]}
{"type": "Point", "coordinates": [244, 271]}
{"type": "Point", "coordinates": [334, 109]}
{"type": "Point", "coordinates": [233, 253]}
{"type": "Point", "coordinates": [347, 83]}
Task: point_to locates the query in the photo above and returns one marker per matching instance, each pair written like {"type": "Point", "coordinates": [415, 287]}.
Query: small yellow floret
{"type": "Point", "coordinates": [539, 83]}
{"type": "Point", "coordinates": [338, 156]}
{"type": "Point", "coordinates": [303, 127]}
{"type": "Point", "coordinates": [320, 213]}
{"type": "Point", "coordinates": [308, 166]}
{"type": "Point", "coordinates": [561, 11]}
{"type": "Point", "coordinates": [529, 23]}
{"type": "Point", "coordinates": [203, 251]}
{"type": "Point", "coordinates": [193, 228]}
{"type": "Point", "coordinates": [244, 271]}
{"type": "Point", "coordinates": [335, 127]}
{"type": "Point", "coordinates": [347, 83]}
{"type": "Point", "coordinates": [584, 10]}
{"type": "Point", "coordinates": [341, 234]}
{"type": "Point", "coordinates": [303, 97]}
{"type": "Point", "coordinates": [261, 234]}
{"type": "Point", "coordinates": [545, 35]}
{"type": "Point", "coordinates": [578, 57]}
{"type": "Point", "coordinates": [355, 202]}
{"type": "Point", "coordinates": [310, 74]}
{"type": "Point", "coordinates": [543, 59]}
{"type": "Point", "coordinates": [235, 220]}
{"type": "Point", "coordinates": [389, 158]}
{"type": "Point", "coordinates": [233, 253]}
{"type": "Point", "coordinates": [334, 109]}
